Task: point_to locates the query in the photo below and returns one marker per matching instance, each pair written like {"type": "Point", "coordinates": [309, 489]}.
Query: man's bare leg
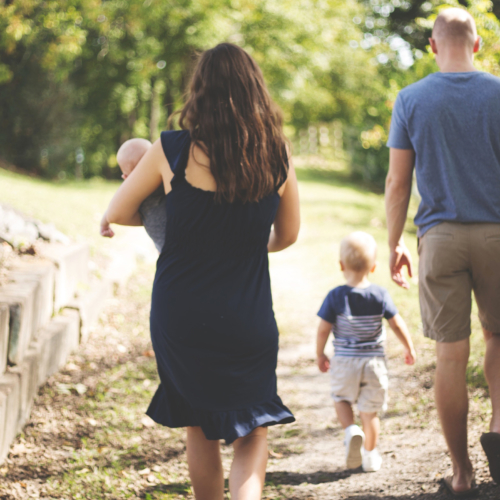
{"type": "Point", "coordinates": [453, 403]}
{"type": "Point", "coordinates": [492, 374]}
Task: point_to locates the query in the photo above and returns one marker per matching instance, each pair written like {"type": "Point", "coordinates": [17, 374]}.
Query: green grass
{"type": "Point", "coordinates": [74, 207]}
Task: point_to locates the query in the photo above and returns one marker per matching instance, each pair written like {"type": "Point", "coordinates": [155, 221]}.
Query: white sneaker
{"type": "Point", "coordinates": [372, 460]}
{"type": "Point", "coordinates": [354, 439]}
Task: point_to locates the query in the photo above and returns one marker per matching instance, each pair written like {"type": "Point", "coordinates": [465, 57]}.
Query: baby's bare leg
{"type": "Point", "coordinates": [344, 413]}
{"type": "Point", "coordinates": [371, 428]}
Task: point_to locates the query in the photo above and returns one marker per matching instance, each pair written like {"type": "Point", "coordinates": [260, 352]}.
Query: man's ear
{"type": "Point", "coordinates": [342, 267]}
{"type": "Point", "coordinates": [433, 45]}
{"type": "Point", "coordinates": [477, 44]}
{"type": "Point", "coordinates": [372, 270]}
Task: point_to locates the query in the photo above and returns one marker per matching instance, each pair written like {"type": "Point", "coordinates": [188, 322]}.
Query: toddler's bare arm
{"type": "Point", "coordinates": [399, 327]}
{"type": "Point", "coordinates": [324, 330]}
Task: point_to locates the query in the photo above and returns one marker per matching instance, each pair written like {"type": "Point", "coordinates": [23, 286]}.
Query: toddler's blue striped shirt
{"type": "Point", "coordinates": [356, 315]}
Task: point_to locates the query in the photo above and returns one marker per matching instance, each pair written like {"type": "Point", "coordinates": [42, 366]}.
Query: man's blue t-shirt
{"type": "Point", "coordinates": [356, 315]}
{"type": "Point", "coordinates": [452, 122]}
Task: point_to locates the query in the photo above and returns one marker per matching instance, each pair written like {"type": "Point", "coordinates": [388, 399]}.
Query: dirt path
{"type": "Point", "coordinates": [311, 461]}
{"type": "Point", "coordinates": [88, 437]}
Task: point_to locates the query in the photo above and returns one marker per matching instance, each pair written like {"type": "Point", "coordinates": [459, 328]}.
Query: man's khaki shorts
{"type": "Point", "coordinates": [361, 380]}
{"type": "Point", "coordinates": [455, 259]}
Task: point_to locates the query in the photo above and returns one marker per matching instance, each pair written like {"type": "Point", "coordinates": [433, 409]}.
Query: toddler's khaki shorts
{"type": "Point", "coordinates": [360, 380]}
{"type": "Point", "coordinates": [455, 259]}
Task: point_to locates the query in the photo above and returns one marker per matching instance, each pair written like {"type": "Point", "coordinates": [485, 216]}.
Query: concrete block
{"type": "Point", "coordinates": [4, 336]}
{"type": "Point", "coordinates": [55, 343]}
{"type": "Point", "coordinates": [50, 345]}
{"type": "Point", "coordinates": [44, 274]}
{"type": "Point", "coordinates": [70, 320]}
{"type": "Point", "coordinates": [4, 450]}
{"type": "Point", "coordinates": [10, 387]}
{"type": "Point", "coordinates": [71, 263]}
{"type": "Point", "coordinates": [90, 303]}
{"type": "Point", "coordinates": [27, 372]}
{"type": "Point", "coordinates": [20, 297]}
{"type": "Point", "coordinates": [121, 267]}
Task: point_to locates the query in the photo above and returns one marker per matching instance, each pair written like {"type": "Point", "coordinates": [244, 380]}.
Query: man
{"type": "Point", "coordinates": [447, 126]}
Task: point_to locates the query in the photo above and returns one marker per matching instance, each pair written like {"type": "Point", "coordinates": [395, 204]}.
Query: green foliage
{"type": "Point", "coordinates": [400, 29]}
{"type": "Point", "coordinates": [79, 77]}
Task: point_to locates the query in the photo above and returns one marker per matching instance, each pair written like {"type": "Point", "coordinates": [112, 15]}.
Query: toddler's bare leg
{"type": "Point", "coordinates": [344, 413]}
{"type": "Point", "coordinates": [371, 428]}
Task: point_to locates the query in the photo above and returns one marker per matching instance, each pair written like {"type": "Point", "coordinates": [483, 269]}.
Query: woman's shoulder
{"type": "Point", "coordinates": [174, 143]}
{"type": "Point", "coordinates": [170, 137]}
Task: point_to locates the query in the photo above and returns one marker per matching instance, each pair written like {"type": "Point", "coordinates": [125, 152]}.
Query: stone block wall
{"type": "Point", "coordinates": [47, 307]}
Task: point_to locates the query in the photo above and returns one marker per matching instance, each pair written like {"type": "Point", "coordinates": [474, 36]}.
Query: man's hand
{"type": "Point", "coordinates": [399, 258]}
{"type": "Point", "coordinates": [323, 363]}
{"type": "Point", "coordinates": [106, 230]}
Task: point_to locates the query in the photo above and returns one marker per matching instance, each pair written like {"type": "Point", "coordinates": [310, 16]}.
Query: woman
{"type": "Point", "coordinates": [228, 178]}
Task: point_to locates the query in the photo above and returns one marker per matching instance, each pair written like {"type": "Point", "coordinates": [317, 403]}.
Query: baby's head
{"type": "Point", "coordinates": [358, 253]}
{"type": "Point", "coordinates": [130, 153]}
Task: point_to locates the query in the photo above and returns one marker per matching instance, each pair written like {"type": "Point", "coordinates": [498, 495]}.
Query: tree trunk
{"type": "Point", "coordinates": [154, 118]}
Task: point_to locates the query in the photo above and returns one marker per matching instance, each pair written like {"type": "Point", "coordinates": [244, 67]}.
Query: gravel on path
{"type": "Point", "coordinates": [88, 436]}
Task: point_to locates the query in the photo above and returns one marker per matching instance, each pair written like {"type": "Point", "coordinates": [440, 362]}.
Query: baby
{"type": "Point", "coordinates": [152, 210]}
{"type": "Point", "coordinates": [354, 313]}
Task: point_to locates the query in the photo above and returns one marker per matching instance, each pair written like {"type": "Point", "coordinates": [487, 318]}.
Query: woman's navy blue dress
{"type": "Point", "coordinates": [212, 321]}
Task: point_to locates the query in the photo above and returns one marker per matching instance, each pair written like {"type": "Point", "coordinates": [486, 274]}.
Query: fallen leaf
{"type": "Point", "coordinates": [144, 472]}
{"type": "Point", "coordinates": [64, 389]}
{"type": "Point", "coordinates": [19, 449]}
{"type": "Point", "coordinates": [275, 455]}
{"type": "Point", "coordinates": [147, 422]}
{"type": "Point", "coordinates": [80, 388]}
{"type": "Point", "coordinates": [149, 354]}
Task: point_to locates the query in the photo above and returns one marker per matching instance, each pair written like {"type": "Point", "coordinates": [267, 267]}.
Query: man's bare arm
{"type": "Point", "coordinates": [397, 198]}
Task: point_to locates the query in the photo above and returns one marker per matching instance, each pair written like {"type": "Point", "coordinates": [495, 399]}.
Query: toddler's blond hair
{"type": "Point", "coordinates": [358, 251]}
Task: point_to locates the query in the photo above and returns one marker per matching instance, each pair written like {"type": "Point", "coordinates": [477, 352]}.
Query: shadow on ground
{"type": "Point", "coordinates": [181, 489]}
{"type": "Point", "coordinates": [319, 477]}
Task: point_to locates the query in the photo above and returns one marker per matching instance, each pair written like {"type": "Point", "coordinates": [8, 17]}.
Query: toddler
{"type": "Point", "coordinates": [152, 210]}
{"type": "Point", "coordinates": [354, 313]}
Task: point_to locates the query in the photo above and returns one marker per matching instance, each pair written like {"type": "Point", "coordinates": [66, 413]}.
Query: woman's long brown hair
{"type": "Point", "coordinates": [233, 119]}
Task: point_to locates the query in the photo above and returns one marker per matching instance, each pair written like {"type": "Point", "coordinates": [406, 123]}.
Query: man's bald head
{"type": "Point", "coordinates": [455, 26]}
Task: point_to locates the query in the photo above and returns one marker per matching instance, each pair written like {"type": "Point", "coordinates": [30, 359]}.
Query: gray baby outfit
{"type": "Point", "coordinates": [153, 213]}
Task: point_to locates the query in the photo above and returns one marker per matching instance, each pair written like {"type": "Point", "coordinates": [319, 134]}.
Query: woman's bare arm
{"type": "Point", "coordinates": [147, 176]}
{"type": "Point", "coordinates": [287, 221]}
